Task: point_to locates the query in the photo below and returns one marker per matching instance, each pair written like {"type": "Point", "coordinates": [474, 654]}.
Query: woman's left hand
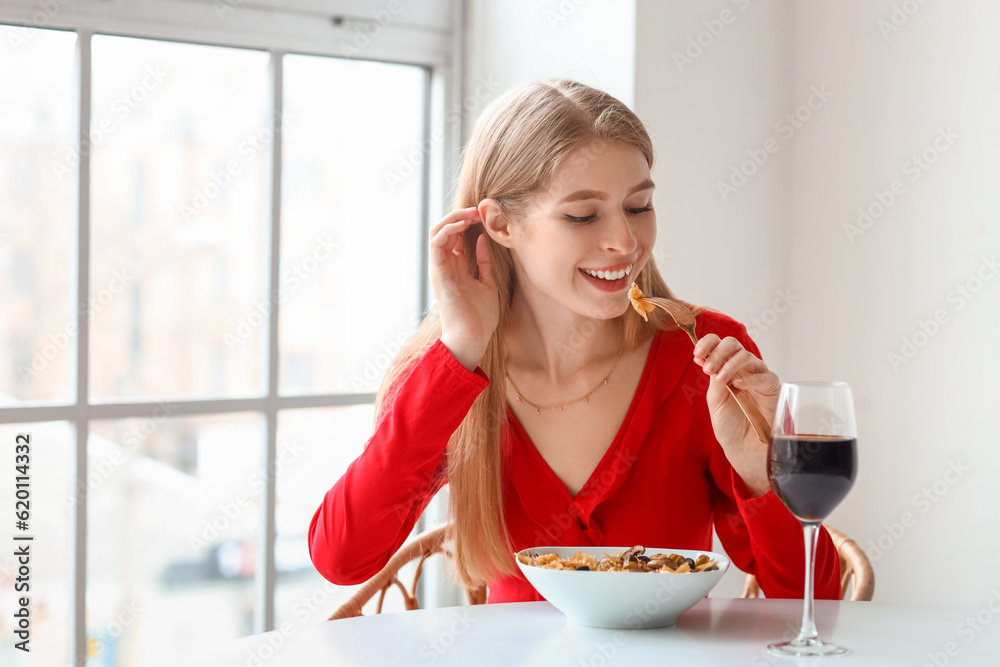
{"type": "Point", "coordinates": [726, 361]}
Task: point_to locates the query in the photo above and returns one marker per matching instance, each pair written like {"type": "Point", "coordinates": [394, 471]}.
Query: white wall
{"type": "Point", "coordinates": [725, 252]}
{"type": "Point", "coordinates": [941, 69]}
{"type": "Point", "coordinates": [518, 40]}
{"type": "Point", "coordinates": [782, 231]}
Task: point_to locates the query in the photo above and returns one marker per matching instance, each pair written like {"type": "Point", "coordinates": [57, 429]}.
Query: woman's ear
{"type": "Point", "coordinates": [495, 222]}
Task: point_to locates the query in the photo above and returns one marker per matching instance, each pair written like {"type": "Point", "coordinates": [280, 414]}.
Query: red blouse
{"type": "Point", "coordinates": [664, 481]}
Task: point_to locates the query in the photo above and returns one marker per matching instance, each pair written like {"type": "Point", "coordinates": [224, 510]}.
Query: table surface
{"type": "Point", "coordinates": [716, 631]}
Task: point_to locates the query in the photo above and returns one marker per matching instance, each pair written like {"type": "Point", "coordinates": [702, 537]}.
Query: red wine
{"type": "Point", "coordinates": [811, 474]}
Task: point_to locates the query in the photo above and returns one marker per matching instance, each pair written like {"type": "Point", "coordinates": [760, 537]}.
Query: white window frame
{"type": "Point", "coordinates": [431, 39]}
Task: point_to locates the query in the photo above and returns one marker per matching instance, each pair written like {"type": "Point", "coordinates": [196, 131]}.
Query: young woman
{"type": "Point", "coordinates": [555, 413]}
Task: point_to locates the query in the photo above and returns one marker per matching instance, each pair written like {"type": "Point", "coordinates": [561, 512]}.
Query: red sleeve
{"type": "Point", "coordinates": [759, 533]}
{"type": "Point", "coordinates": [372, 508]}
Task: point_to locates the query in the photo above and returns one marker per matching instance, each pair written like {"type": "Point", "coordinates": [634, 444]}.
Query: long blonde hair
{"type": "Point", "coordinates": [516, 145]}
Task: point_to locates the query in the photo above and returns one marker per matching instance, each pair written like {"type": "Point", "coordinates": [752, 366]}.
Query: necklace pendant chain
{"type": "Point", "coordinates": [561, 406]}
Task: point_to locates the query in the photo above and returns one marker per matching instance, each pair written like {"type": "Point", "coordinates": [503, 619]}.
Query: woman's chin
{"type": "Point", "coordinates": [611, 309]}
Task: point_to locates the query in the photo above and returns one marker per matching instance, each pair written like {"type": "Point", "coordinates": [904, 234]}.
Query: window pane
{"type": "Point", "coordinates": [172, 527]}
{"type": "Point", "coordinates": [314, 449]}
{"type": "Point", "coordinates": [350, 212]}
{"type": "Point", "coordinates": [37, 175]}
{"type": "Point", "coordinates": [180, 134]}
{"type": "Point", "coordinates": [50, 471]}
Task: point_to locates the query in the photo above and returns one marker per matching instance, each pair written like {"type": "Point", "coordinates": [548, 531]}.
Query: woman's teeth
{"type": "Point", "coordinates": [610, 275]}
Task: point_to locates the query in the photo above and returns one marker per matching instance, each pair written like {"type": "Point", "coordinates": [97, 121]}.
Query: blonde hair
{"type": "Point", "coordinates": [516, 145]}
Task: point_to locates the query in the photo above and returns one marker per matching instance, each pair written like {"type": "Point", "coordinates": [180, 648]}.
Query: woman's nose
{"type": "Point", "coordinates": [618, 235]}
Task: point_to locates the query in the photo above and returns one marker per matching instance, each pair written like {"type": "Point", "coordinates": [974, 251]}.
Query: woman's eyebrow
{"type": "Point", "coordinates": [580, 195]}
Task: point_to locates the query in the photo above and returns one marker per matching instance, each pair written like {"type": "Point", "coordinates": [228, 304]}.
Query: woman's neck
{"type": "Point", "coordinates": [556, 342]}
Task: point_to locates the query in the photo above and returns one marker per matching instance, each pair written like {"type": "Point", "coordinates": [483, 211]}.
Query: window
{"type": "Point", "coordinates": [36, 197]}
{"type": "Point", "coordinates": [236, 217]}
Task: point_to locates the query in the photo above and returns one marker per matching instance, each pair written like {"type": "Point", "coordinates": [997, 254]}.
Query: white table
{"type": "Point", "coordinates": [716, 631]}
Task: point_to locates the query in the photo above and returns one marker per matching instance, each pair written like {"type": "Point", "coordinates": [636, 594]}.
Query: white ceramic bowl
{"type": "Point", "coordinates": [621, 599]}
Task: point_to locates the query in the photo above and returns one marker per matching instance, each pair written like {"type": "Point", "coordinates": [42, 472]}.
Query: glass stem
{"type": "Point", "coordinates": [807, 634]}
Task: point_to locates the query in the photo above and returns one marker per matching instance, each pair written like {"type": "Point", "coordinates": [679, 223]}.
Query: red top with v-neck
{"type": "Point", "coordinates": [664, 482]}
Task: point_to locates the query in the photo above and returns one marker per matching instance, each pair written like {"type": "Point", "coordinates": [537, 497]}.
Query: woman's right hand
{"type": "Point", "coordinates": [469, 307]}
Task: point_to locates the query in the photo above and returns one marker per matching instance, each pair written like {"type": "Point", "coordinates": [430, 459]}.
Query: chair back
{"type": "Point", "coordinates": [428, 543]}
{"type": "Point", "coordinates": [854, 565]}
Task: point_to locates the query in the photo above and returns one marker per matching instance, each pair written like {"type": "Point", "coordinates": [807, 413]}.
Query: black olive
{"type": "Point", "coordinates": [583, 567]}
{"type": "Point", "coordinates": [689, 562]}
{"type": "Point", "coordinates": [644, 559]}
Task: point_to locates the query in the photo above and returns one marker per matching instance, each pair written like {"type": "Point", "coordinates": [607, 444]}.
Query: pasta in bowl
{"type": "Point", "coordinates": [621, 587]}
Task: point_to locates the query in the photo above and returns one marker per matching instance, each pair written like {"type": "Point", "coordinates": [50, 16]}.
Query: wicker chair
{"type": "Point", "coordinates": [426, 544]}
{"type": "Point", "coordinates": [853, 564]}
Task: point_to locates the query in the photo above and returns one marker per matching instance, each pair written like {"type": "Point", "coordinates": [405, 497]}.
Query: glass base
{"type": "Point", "coordinates": [808, 647]}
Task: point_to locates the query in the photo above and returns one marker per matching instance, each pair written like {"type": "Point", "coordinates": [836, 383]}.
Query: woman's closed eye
{"type": "Point", "coordinates": [591, 218]}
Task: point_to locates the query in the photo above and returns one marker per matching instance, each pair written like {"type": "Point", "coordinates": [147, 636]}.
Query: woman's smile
{"type": "Point", "coordinates": [609, 279]}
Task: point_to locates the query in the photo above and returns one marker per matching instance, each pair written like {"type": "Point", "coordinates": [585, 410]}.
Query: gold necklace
{"type": "Point", "coordinates": [585, 398]}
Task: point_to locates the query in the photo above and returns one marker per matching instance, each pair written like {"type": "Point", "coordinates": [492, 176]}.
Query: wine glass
{"type": "Point", "coordinates": [812, 462]}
